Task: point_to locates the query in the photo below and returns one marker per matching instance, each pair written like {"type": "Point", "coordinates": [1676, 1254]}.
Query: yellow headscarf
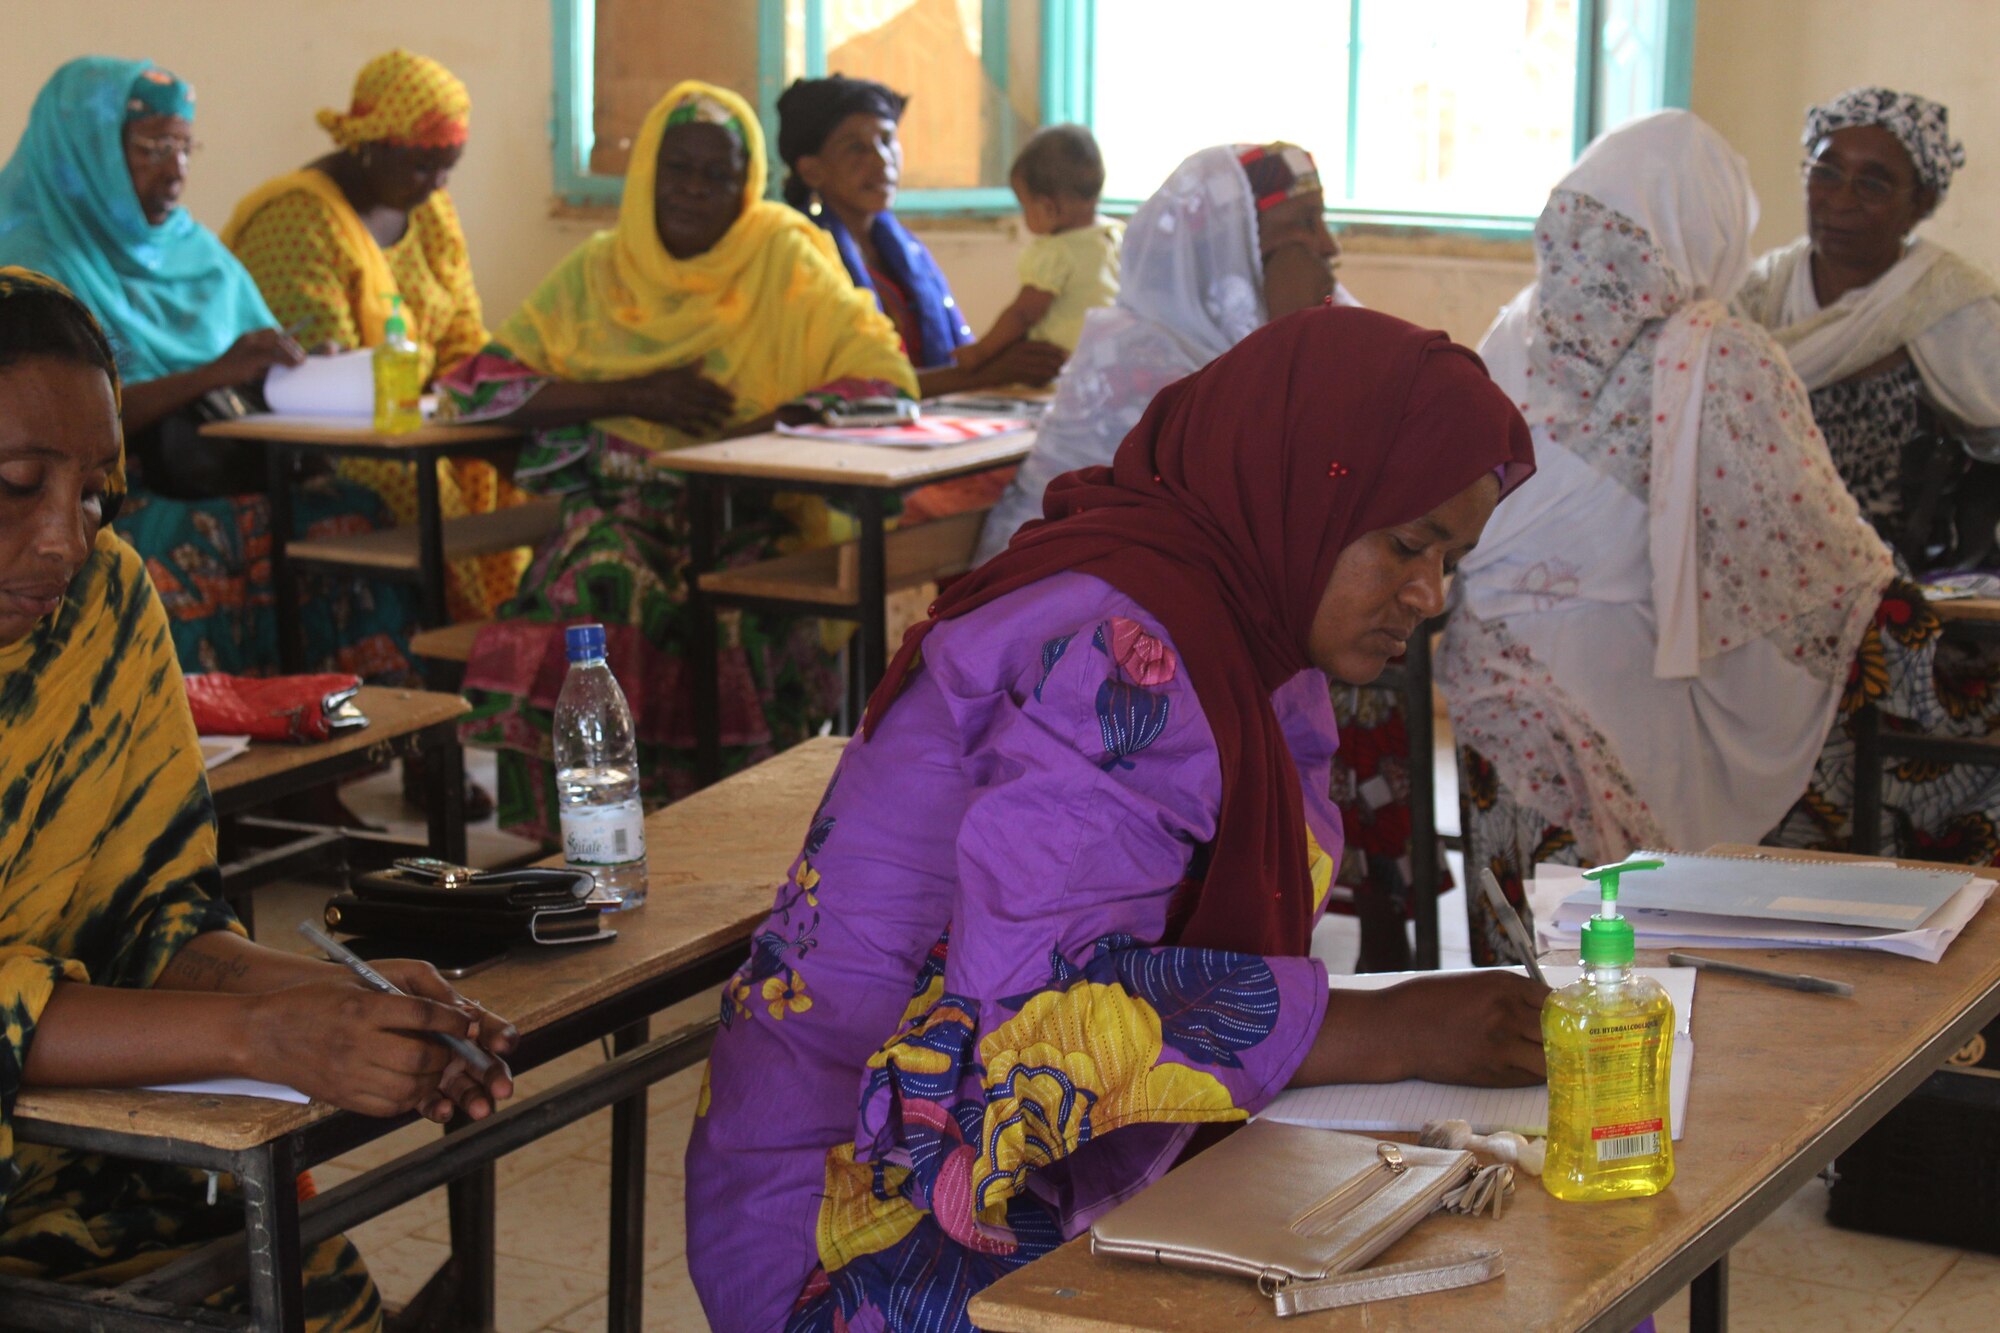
{"type": "Point", "coordinates": [768, 311]}
{"type": "Point", "coordinates": [405, 99]}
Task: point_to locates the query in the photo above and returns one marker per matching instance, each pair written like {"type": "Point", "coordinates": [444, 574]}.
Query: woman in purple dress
{"type": "Point", "coordinates": [1052, 917]}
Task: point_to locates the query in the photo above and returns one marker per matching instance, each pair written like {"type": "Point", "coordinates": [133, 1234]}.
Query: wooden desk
{"type": "Point", "coordinates": [1783, 1082]}
{"type": "Point", "coordinates": [400, 723]}
{"type": "Point", "coordinates": [418, 556]}
{"type": "Point", "coordinates": [715, 859]}
{"type": "Point", "coordinates": [860, 478]}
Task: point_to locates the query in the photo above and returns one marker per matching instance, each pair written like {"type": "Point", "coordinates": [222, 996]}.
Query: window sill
{"type": "Point", "coordinates": [1498, 243]}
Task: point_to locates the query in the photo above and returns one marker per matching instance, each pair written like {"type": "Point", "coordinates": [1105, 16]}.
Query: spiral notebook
{"type": "Point", "coordinates": [1877, 894]}
{"type": "Point", "coordinates": [1771, 901]}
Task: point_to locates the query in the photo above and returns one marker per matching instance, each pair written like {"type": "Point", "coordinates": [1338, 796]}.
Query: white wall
{"type": "Point", "coordinates": [263, 67]}
{"type": "Point", "coordinates": [1760, 63]}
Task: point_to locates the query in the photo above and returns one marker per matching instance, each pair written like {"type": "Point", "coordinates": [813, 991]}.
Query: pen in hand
{"type": "Point", "coordinates": [1503, 912]}
{"type": "Point", "coordinates": [477, 1060]}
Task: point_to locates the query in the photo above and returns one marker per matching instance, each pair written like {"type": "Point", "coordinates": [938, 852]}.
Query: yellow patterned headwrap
{"type": "Point", "coordinates": [404, 99]}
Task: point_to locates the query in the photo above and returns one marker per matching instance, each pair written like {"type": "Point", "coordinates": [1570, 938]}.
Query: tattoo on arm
{"type": "Point", "coordinates": [195, 968]}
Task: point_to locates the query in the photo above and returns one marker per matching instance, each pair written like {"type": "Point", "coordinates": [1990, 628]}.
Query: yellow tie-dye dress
{"type": "Point", "coordinates": [107, 868]}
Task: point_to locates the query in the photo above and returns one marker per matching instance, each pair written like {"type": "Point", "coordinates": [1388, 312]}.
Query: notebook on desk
{"type": "Point", "coordinates": [1414, 1103]}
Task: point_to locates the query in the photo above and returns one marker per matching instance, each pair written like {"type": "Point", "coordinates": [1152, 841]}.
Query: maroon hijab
{"type": "Point", "coordinates": [1222, 514]}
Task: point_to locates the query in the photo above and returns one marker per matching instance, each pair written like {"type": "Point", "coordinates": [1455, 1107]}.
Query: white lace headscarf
{"type": "Point", "coordinates": [1191, 286]}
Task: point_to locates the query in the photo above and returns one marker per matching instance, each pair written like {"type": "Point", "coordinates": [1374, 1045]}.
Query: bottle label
{"type": "Point", "coordinates": [1634, 1138]}
{"type": "Point", "coordinates": [605, 835]}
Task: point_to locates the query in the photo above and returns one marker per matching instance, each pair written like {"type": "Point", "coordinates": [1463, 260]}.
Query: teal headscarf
{"type": "Point", "coordinates": [171, 297]}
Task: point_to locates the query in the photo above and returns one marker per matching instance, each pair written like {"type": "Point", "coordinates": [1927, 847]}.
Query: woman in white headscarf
{"type": "Point", "coordinates": [1234, 238]}
{"type": "Point", "coordinates": [1896, 339]}
{"type": "Point", "coordinates": [1649, 647]}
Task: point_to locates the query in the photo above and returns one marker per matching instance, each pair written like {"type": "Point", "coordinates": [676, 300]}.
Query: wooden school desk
{"type": "Point", "coordinates": [1783, 1083]}
{"type": "Point", "coordinates": [400, 723]}
{"type": "Point", "coordinates": [415, 555]}
{"type": "Point", "coordinates": [832, 583]}
{"type": "Point", "coordinates": [1976, 619]}
{"type": "Point", "coordinates": [715, 861]}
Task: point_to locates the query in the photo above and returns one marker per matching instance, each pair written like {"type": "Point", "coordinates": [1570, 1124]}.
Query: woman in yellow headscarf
{"type": "Point", "coordinates": [706, 308]}
{"type": "Point", "coordinates": [329, 246]}
{"type": "Point", "coordinates": [120, 966]}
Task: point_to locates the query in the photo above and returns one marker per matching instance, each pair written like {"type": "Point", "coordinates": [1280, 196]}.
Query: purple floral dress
{"type": "Point", "coordinates": [957, 1040]}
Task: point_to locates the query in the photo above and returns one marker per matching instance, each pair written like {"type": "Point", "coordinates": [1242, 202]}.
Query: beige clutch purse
{"type": "Point", "coordinates": [1300, 1209]}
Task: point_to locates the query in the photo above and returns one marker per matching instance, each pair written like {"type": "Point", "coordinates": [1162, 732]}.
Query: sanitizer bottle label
{"type": "Point", "coordinates": [605, 835]}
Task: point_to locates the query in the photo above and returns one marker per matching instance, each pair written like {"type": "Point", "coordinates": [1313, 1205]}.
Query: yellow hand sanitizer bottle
{"type": "Point", "coordinates": [399, 376]}
{"type": "Point", "coordinates": [1609, 1037]}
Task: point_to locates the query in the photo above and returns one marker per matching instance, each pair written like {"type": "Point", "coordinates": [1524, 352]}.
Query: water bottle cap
{"type": "Point", "coordinates": [585, 642]}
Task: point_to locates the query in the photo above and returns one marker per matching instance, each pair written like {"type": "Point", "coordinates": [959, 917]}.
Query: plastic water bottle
{"type": "Point", "coordinates": [597, 773]}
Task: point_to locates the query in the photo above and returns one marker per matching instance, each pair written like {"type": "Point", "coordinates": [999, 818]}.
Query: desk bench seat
{"type": "Point", "coordinates": [831, 576]}
{"type": "Point", "coordinates": [394, 551]}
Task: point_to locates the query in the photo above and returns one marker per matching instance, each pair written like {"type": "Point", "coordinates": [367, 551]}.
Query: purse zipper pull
{"type": "Point", "coordinates": [1392, 1157]}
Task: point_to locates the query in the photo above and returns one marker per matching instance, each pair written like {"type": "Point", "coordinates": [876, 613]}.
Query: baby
{"type": "Point", "coordinates": [1072, 265]}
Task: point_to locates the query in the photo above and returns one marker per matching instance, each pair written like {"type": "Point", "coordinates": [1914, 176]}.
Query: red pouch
{"type": "Point", "coordinates": [274, 708]}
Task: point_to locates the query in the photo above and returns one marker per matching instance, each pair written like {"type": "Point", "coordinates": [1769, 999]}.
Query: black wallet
{"type": "Point", "coordinates": [422, 900]}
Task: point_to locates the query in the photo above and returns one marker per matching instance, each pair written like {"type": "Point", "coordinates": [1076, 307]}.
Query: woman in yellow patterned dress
{"type": "Point", "coordinates": [119, 965]}
{"type": "Point", "coordinates": [330, 244]}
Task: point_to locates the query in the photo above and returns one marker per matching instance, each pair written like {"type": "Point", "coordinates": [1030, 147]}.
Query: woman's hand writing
{"type": "Point", "coordinates": [459, 1088]}
{"type": "Point", "coordinates": [353, 1047]}
{"type": "Point", "coordinates": [1481, 1027]}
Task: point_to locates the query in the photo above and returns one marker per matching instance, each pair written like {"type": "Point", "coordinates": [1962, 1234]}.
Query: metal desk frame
{"type": "Point", "coordinates": [277, 1228]}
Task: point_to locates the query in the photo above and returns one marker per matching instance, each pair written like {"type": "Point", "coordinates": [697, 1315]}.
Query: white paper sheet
{"type": "Point", "coordinates": [340, 385]}
{"type": "Point", "coordinates": [219, 750]}
{"type": "Point", "coordinates": [236, 1087]}
{"type": "Point", "coordinates": [1413, 1103]}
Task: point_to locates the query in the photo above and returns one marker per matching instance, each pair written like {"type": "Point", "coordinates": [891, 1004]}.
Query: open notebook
{"type": "Point", "coordinates": [1414, 1103]}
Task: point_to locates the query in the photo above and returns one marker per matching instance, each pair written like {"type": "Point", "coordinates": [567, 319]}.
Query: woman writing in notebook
{"type": "Point", "coordinates": [119, 966]}
{"type": "Point", "coordinates": [1052, 916]}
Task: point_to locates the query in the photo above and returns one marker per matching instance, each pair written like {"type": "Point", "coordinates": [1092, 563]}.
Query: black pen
{"type": "Point", "coordinates": [1789, 980]}
{"type": "Point", "coordinates": [476, 1059]}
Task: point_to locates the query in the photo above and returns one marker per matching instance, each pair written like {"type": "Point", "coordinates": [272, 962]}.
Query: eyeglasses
{"type": "Point", "coordinates": [1827, 179]}
{"type": "Point", "coordinates": [163, 149]}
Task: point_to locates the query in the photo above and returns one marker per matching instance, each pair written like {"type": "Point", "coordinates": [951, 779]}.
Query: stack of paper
{"type": "Point", "coordinates": [1414, 1103]}
{"type": "Point", "coordinates": [925, 433]}
{"type": "Point", "coordinates": [1770, 902]}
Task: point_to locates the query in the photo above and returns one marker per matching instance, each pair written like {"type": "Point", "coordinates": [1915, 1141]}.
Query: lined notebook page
{"type": "Point", "coordinates": [1413, 1103]}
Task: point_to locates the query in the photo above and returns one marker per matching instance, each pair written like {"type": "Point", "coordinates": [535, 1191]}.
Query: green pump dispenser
{"type": "Point", "coordinates": [1607, 936]}
{"type": "Point", "coordinates": [1609, 1039]}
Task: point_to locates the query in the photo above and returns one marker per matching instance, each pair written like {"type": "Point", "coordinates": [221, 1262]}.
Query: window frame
{"type": "Point", "coordinates": [1068, 61]}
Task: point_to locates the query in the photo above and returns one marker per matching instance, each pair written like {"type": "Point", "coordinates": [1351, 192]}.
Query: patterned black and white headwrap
{"type": "Point", "coordinates": [1918, 123]}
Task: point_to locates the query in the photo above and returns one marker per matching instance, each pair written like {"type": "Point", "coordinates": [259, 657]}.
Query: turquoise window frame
{"type": "Point", "coordinates": [1068, 36]}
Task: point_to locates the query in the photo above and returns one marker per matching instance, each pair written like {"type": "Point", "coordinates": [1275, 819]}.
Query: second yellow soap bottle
{"type": "Point", "coordinates": [1609, 1039]}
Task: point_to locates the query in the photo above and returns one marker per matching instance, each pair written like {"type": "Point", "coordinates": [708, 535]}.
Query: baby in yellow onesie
{"type": "Point", "coordinates": [1071, 267]}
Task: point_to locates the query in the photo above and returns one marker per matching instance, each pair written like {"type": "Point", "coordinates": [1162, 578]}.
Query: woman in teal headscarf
{"type": "Point", "coordinates": [91, 197]}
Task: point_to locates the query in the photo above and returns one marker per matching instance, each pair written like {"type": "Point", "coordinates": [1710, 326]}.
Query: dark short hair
{"type": "Point", "coordinates": [44, 321]}
{"type": "Point", "coordinates": [1060, 162]}
{"type": "Point", "coordinates": [811, 109]}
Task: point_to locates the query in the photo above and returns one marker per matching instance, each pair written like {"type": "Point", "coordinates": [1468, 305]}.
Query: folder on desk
{"type": "Point", "coordinates": [1414, 1103]}
{"type": "Point", "coordinates": [1771, 902]}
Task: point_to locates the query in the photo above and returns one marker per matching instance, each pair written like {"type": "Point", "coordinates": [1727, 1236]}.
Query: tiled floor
{"type": "Point", "coordinates": [1794, 1273]}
